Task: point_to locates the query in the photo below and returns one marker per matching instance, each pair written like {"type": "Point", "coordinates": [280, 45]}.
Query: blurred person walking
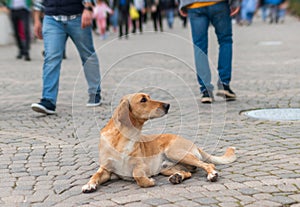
{"type": "Point", "coordinates": [264, 10]}
{"type": "Point", "coordinates": [100, 14]}
{"type": "Point", "coordinates": [282, 10]}
{"type": "Point", "coordinates": [20, 17]}
{"type": "Point", "coordinates": [201, 13]}
{"type": "Point", "coordinates": [140, 7]}
{"type": "Point", "coordinates": [156, 13]}
{"type": "Point", "coordinates": [65, 19]}
{"type": "Point", "coordinates": [169, 7]}
{"type": "Point", "coordinates": [113, 18]}
{"type": "Point", "coordinates": [123, 15]}
{"type": "Point", "coordinates": [274, 10]}
{"type": "Point", "coordinates": [248, 9]}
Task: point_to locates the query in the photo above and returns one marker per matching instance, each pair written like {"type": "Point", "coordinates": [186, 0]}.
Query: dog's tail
{"type": "Point", "coordinates": [227, 158]}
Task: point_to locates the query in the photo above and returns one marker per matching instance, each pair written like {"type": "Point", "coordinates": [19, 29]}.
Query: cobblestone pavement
{"type": "Point", "coordinates": [45, 160]}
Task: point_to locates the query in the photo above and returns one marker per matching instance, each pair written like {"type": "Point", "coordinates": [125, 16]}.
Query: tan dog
{"type": "Point", "coordinates": [124, 152]}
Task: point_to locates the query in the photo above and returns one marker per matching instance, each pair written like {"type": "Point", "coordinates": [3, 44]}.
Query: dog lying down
{"type": "Point", "coordinates": [125, 153]}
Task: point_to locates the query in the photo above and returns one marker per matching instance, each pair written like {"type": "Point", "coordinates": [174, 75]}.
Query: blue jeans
{"type": "Point", "coordinates": [55, 34]}
{"type": "Point", "coordinates": [200, 18]}
{"type": "Point", "coordinates": [170, 17]}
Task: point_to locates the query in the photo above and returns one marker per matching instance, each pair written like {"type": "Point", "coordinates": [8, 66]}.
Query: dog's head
{"type": "Point", "coordinates": [135, 109]}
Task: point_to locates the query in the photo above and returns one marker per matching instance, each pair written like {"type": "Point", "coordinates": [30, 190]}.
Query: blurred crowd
{"type": "Point", "coordinates": [127, 16]}
{"type": "Point", "coordinates": [118, 16]}
{"type": "Point", "coordinates": [272, 11]}
{"type": "Point", "coordinates": [130, 16]}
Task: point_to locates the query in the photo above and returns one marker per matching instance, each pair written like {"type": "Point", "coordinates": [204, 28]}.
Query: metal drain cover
{"type": "Point", "coordinates": [284, 114]}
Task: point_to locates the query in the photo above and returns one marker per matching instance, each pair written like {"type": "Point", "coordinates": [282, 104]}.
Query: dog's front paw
{"type": "Point", "coordinates": [152, 182]}
{"type": "Point", "coordinates": [89, 188]}
{"type": "Point", "coordinates": [175, 178]}
{"type": "Point", "coordinates": [213, 176]}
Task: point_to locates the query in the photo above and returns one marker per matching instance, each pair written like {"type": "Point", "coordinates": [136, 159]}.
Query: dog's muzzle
{"type": "Point", "coordinates": [166, 107]}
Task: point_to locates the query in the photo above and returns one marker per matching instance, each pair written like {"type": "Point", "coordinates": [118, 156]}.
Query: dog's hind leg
{"type": "Point", "coordinates": [101, 176]}
{"type": "Point", "coordinates": [188, 158]}
{"type": "Point", "coordinates": [177, 175]}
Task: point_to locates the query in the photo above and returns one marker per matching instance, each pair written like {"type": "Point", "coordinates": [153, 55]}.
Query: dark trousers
{"type": "Point", "coordinates": [123, 20]}
{"type": "Point", "coordinates": [17, 16]}
{"type": "Point", "coordinates": [140, 19]}
{"type": "Point", "coordinates": [156, 16]}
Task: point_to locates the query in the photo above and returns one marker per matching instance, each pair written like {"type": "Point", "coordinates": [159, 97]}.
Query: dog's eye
{"type": "Point", "coordinates": [143, 100]}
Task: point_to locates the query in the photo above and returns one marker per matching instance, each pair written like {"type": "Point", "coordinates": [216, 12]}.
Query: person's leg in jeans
{"type": "Point", "coordinates": [170, 17]}
{"type": "Point", "coordinates": [83, 41]}
{"type": "Point", "coordinates": [54, 44]}
{"type": "Point", "coordinates": [199, 26]}
{"type": "Point", "coordinates": [264, 12]}
{"type": "Point", "coordinates": [221, 20]}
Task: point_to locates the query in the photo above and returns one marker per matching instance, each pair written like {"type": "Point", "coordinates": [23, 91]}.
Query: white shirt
{"type": "Point", "coordinates": [18, 4]}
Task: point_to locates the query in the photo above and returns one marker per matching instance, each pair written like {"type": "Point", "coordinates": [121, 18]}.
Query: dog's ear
{"type": "Point", "coordinates": [121, 115]}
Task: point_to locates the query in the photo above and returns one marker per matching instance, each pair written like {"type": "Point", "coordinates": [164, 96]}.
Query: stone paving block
{"type": "Point", "coordinates": [262, 196]}
{"type": "Point", "coordinates": [184, 203]}
{"type": "Point", "coordinates": [137, 204]}
{"type": "Point", "coordinates": [264, 203]}
{"type": "Point", "coordinates": [37, 197]}
{"type": "Point", "coordinates": [234, 185]}
{"type": "Point", "coordinates": [8, 184]}
{"type": "Point", "coordinates": [189, 196]}
{"type": "Point", "coordinates": [272, 181]}
{"type": "Point", "coordinates": [205, 201]}
{"type": "Point", "coordinates": [169, 205]}
{"type": "Point", "coordinates": [13, 199]}
{"type": "Point", "coordinates": [253, 183]}
{"type": "Point", "coordinates": [24, 187]}
{"type": "Point", "coordinates": [287, 188]}
{"type": "Point", "coordinates": [227, 199]}
{"type": "Point", "coordinates": [155, 201]}
{"type": "Point", "coordinates": [229, 204]}
{"type": "Point", "coordinates": [21, 192]}
{"type": "Point", "coordinates": [249, 191]}
{"type": "Point", "coordinates": [104, 203]}
{"type": "Point", "coordinates": [267, 189]}
{"type": "Point", "coordinates": [173, 198]}
{"type": "Point", "coordinates": [296, 197]}
{"type": "Point", "coordinates": [244, 199]}
{"type": "Point", "coordinates": [284, 200]}
{"type": "Point", "coordinates": [214, 187]}
{"type": "Point", "coordinates": [130, 198]}
{"type": "Point", "coordinates": [195, 189]}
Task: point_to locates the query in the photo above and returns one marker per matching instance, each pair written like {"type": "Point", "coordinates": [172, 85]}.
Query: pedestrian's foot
{"type": "Point", "coordinates": [27, 58]}
{"type": "Point", "coordinates": [225, 92]}
{"type": "Point", "coordinates": [94, 100]}
{"type": "Point", "coordinates": [45, 107]}
{"type": "Point", "coordinates": [207, 97]}
{"type": "Point", "coordinates": [19, 56]}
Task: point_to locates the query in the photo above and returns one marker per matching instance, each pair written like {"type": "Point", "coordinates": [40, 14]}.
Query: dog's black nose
{"type": "Point", "coordinates": [166, 107]}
